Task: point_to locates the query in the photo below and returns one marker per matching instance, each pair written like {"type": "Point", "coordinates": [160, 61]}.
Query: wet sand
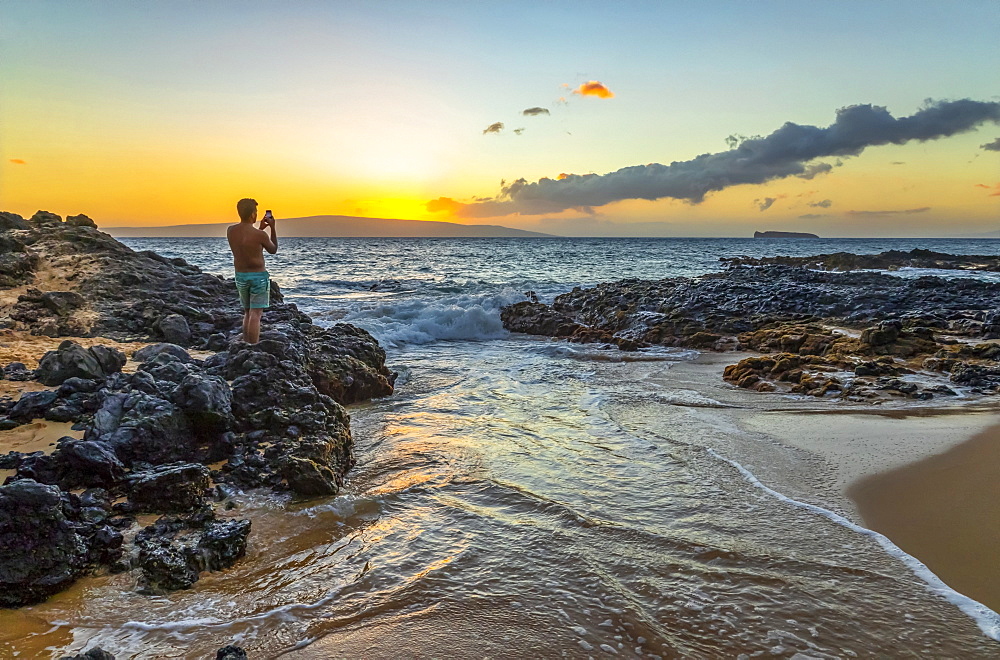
{"type": "Point", "coordinates": [925, 476]}
{"type": "Point", "coordinates": [944, 510]}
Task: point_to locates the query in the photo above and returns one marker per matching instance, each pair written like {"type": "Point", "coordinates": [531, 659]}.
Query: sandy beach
{"type": "Point", "coordinates": [926, 476]}
{"type": "Point", "coordinates": [943, 510]}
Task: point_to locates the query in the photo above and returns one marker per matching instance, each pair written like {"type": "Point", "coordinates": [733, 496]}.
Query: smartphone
{"type": "Point", "coordinates": [267, 215]}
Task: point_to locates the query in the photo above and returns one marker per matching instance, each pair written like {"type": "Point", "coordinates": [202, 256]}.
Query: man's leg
{"type": "Point", "coordinates": [252, 333]}
{"type": "Point", "coordinates": [246, 323]}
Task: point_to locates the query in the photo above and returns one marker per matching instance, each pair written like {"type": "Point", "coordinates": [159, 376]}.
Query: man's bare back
{"type": "Point", "coordinates": [248, 244]}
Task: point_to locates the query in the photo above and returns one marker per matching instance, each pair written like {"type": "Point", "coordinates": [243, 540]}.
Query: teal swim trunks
{"type": "Point", "coordinates": [254, 289]}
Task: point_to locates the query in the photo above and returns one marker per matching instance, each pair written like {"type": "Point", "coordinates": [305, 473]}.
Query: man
{"type": "Point", "coordinates": [252, 280]}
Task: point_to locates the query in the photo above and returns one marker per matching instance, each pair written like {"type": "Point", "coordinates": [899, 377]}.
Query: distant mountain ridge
{"type": "Point", "coordinates": [338, 226]}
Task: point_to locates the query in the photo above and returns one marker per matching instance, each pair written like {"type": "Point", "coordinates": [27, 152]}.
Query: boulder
{"type": "Point", "coordinates": [149, 352]}
{"type": "Point", "coordinates": [537, 319]}
{"type": "Point", "coordinates": [80, 220]}
{"type": "Point", "coordinates": [207, 401]}
{"type": "Point", "coordinates": [231, 652]}
{"type": "Point", "coordinates": [96, 653]}
{"type": "Point", "coordinates": [62, 302]}
{"type": "Point", "coordinates": [72, 360]}
{"type": "Point", "coordinates": [174, 550]}
{"type": "Point", "coordinates": [177, 487]}
{"type": "Point", "coordinates": [45, 219]}
{"type": "Point", "coordinates": [222, 543]}
{"type": "Point", "coordinates": [308, 478]}
{"type": "Point", "coordinates": [12, 221]}
{"type": "Point", "coordinates": [175, 329]}
{"type": "Point", "coordinates": [16, 371]}
{"type": "Point", "coordinates": [88, 463]}
{"type": "Point", "coordinates": [40, 550]}
{"type": "Point", "coordinates": [882, 334]}
{"type": "Point", "coordinates": [32, 405]}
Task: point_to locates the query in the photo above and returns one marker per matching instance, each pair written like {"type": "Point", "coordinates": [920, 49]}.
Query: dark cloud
{"type": "Point", "coordinates": [823, 204]}
{"type": "Point", "coordinates": [493, 128]}
{"type": "Point", "coordinates": [812, 216]}
{"type": "Point", "coordinates": [788, 151]}
{"type": "Point", "coordinates": [991, 146]}
{"type": "Point", "coordinates": [532, 112]}
{"type": "Point", "coordinates": [814, 170]}
{"type": "Point", "coordinates": [922, 209]}
{"type": "Point", "coordinates": [765, 204]}
{"type": "Point", "coordinates": [518, 131]}
{"type": "Point", "coordinates": [898, 162]}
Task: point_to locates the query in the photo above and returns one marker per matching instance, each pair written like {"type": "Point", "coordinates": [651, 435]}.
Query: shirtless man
{"type": "Point", "coordinates": [252, 280]}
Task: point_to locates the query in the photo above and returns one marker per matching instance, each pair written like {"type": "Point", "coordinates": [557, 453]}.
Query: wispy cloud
{"type": "Point", "coordinates": [922, 209]}
{"type": "Point", "coordinates": [18, 161]}
{"type": "Point", "coordinates": [594, 88]}
{"type": "Point", "coordinates": [765, 204]}
{"type": "Point", "coordinates": [518, 131]}
{"type": "Point", "coordinates": [495, 127]}
{"type": "Point", "coordinates": [788, 151]}
{"type": "Point", "coordinates": [534, 112]}
{"type": "Point", "coordinates": [991, 146]}
{"type": "Point", "coordinates": [823, 204]}
{"type": "Point", "coordinates": [995, 189]}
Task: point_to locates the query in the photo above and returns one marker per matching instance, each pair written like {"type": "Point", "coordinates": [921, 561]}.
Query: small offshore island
{"type": "Point", "coordinates": [783, 234]}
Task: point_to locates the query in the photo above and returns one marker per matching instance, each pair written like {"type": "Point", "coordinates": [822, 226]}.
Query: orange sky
{"type": "Point", "coordinates": [136, 115]}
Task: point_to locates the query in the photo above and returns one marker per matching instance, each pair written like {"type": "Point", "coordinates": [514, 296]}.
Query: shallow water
{"type": "Point", "coordinates": [521, 497]}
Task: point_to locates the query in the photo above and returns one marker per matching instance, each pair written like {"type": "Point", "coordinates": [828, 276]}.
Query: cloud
{"type": "Point", "coordinates": [518, 131]}
{"type": "Point", "coordinates": [788, 151]}
{"type": "Point", "coordinates": [995, 189]}
{"type": "Point", "coordinates": [594, 88]}
{"type": "Point", "coordinates": [812, 216]}
{"type": "Point", "coordinates": [898, 162]}
{"type": "Point", "coordinates": [444, 204]}
{"type": "Point", "coordinates": [991, 146]}
{"type": "Point", "coordinates": [823, 204]}
{"type": "Point", "coordinates": [17, 161]}
{"type": "Point", "coordinates": [495, 127]}
{"type": "Point", "coordinates": [563, 175]}
{"type": "Point", "coordinates": [765, 204]}
{"type": "Point", "coordinates": [815, 169]}
{"type": "Point", "coordinates": [533, 112]}
{"type": "Point", "coordinates": [922, 209]}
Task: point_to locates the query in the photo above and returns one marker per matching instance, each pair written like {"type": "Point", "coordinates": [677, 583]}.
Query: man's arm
{"type": "Point", "coordinates": [270, 243]}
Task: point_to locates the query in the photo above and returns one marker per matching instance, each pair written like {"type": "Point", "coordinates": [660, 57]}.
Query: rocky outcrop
{"type": "Point", "coordinates": [47, 541]}
{"type": "Point", "coordinates": [889, 260]}
{"type": "Point", "coordinates": [893, 326]}
{"type": "Point", "coordinates": [271, 413]}
{"type": "Point", "coordinates": [174, 551]}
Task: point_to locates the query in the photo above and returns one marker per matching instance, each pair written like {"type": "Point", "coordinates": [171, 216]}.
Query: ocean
{"type": "Point", "coordinates": [521, 497]}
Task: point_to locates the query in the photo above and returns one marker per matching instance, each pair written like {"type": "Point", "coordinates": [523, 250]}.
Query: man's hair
{"type": "Point", "coordinates": [245, 207]}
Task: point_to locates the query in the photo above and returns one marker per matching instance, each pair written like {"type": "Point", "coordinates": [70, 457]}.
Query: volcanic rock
{"type": "Point", "coordinates": [40, 550]}
{"type": "Point", "coordinates": [176, 488]}
{"type": "Point", "coordinates": [71, 360]}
